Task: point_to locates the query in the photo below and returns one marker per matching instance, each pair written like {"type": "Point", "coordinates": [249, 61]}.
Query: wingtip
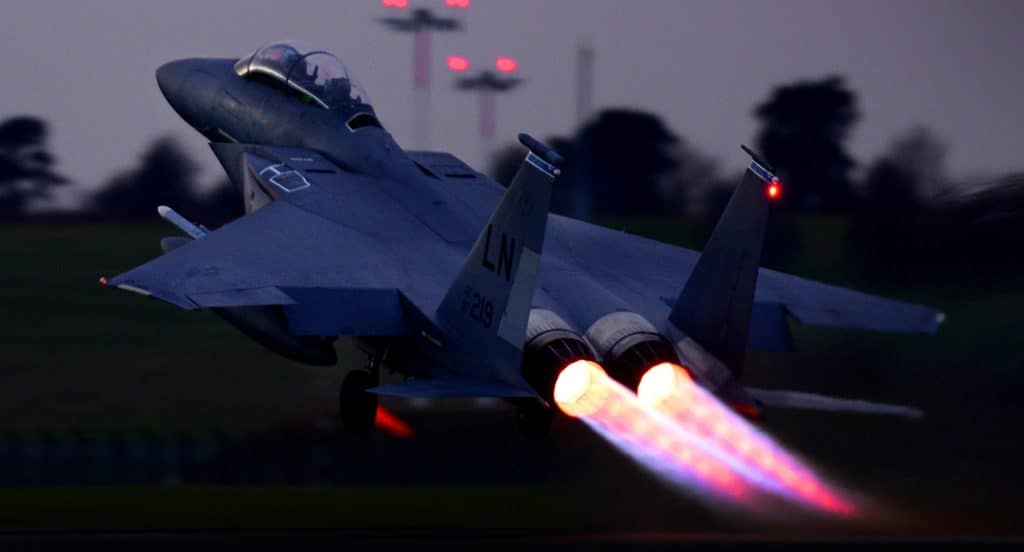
{"type": "Point", "coordinates": [103, 280]}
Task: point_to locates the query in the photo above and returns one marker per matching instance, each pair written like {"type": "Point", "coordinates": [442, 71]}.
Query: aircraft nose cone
{"type": "Point", "coordinates": [170, 77]}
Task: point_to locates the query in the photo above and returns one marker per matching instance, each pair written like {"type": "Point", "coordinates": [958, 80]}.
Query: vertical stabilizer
{"type": "Point", "coordinates": [715, 304]}
{"type": "Point", "coordinates": [491, 296]}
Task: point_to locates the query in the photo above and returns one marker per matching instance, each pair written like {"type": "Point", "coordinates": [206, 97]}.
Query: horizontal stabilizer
{"type": "Point", "coordinates": [810, 401]}
{"type": "Point", "coordinates": [451, 387]}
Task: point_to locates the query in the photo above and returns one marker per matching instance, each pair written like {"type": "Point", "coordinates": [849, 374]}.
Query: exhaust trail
{"type": "Point", "coordinates": [585, 391]}
{"type": "Point", "coordinates": [669, 389]}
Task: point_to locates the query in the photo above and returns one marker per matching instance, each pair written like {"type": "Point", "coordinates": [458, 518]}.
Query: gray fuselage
{"type": "Point", "coordinates": [213, 99]}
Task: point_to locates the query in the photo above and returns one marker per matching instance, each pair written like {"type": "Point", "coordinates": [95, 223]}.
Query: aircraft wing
{"type": "Point", "coordinates": [333, 249]}
{"type": "Point", "coordinates": [647, 275]}
{"type": "Point", "coordinates": [279, 255]}
{"type": "Point", "coordinates": [639, 269]}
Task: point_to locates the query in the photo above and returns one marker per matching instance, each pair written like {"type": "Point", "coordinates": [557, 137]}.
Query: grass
{"type": "Point", "coordinates": [154, 508]}
{"type": "Point", "coordinates": [78, 355]}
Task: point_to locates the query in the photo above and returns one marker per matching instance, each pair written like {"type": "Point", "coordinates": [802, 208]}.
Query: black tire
{"type": "Point", "coordinates": [357, 407]}
{"type": "Point", "coordinates": [534, 419]}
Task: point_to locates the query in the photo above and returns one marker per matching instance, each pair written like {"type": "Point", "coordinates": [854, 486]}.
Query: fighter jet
{"type": "Point", "coordinates": [454, 285]}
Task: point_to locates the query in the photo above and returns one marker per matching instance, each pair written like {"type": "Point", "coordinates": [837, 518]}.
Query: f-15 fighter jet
{"type": "Point", "coordinates": [465, 288]}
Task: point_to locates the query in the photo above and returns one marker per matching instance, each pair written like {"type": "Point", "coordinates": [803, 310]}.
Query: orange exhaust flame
{"type": "Point", "coordinates": [583, 390]}
{"type": "Point", "coordinates": [669, 389]}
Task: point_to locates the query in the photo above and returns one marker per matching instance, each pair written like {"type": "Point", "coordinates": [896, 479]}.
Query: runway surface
{"type": "Point", "coordinates": [452, 539]}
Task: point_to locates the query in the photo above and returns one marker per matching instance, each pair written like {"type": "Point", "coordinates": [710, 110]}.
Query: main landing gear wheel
{"type": "Point", "coordinates": [534, 418]}
{"type": "Point", "coordinates": [358, 408]}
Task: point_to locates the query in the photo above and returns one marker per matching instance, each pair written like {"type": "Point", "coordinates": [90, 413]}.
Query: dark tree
{"type": "Point", "coordinates": [804, 127]}
{"type": "Point", "coordinates": [165, 176]}
{"type": "Point", "coordinates": [693, 177]}
{"type": "Point", "coordinates": [913, 168]}
{"type": "Point", "coordinates": [897, 235]}
{"type": "Point", "coordinates": [26, 167]}
{"type": "Point", "coordinates": [221, 205]}
{"type": "Point", "coordinates": [890, 187]}
{"type": "Point", "coordinates": [505, 162]}
{"type": "Point", "coordinates": [625, 155]}
{"type": "Point", "coordinates": [621, 163]}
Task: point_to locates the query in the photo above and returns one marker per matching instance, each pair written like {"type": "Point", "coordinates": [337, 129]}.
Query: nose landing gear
{"type": "Point", "coordinates": [357, 407]}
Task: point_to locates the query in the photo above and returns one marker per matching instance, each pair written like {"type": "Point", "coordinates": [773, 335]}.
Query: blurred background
{"type": "Point", "coordinates": [897, 128]}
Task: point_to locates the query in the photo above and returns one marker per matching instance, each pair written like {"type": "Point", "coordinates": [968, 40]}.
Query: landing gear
{"type": "Point", "coordinates": [358, 408]}
{"type": "Point", "coordinates": [534, 418]}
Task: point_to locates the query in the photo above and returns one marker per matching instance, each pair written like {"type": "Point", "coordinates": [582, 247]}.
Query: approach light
{"type": "Point", "coordinates": [460, 4]}
{"type": "Point", "coordinates": [506, 64]}
{"type": "Point", "coordinates": [458, 64]}
{"type": "Point", "coordinates": [395, 4]}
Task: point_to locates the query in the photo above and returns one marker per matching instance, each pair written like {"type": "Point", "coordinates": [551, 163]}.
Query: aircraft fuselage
{"type": "Point", "coordinates": [224, 107]}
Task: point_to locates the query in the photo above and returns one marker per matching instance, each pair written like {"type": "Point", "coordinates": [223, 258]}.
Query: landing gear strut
{"type": "Point", "coordinates": [357, 407]}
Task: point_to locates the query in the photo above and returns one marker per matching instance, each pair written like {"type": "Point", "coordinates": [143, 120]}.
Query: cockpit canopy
{"type": "Point", "coordinates": [317, 75]}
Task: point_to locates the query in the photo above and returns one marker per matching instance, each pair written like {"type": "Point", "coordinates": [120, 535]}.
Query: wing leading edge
{"type": "Point", "coordinates": [327, 277]}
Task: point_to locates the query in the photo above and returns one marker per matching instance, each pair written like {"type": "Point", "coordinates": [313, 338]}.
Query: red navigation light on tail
{"type": "Point", "coordinates": [774, 189]}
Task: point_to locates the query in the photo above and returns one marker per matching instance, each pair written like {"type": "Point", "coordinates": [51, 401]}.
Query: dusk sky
{"type": "Point", "coordinates": [955, 66]}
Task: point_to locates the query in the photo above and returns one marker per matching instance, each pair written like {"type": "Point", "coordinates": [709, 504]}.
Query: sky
{"type": "Point", "coordinates": [954, 66]}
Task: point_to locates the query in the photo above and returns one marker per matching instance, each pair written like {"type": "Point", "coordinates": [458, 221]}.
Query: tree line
{"type": "Point", "coordinates": [164, 175]}
{"type": "Point", "coordinates": [906, 219]}
{"type": "Point", "coordinates": [628, 163]}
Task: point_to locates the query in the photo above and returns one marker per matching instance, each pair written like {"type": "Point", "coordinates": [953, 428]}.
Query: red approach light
{"type": "Point", "coordinates": [774, 189]}
{"type": "Point", "coordinates": [396, 4]}
{"type": "Point", "coordinates": [461, 4]}
{"type": "Point", "coordinates": [458, 64]}
{"type": "Point", "coordinates": [506, 64]}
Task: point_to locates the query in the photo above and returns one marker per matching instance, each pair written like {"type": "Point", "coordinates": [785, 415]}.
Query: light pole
{"type": "Point", "coordinates": [487, 84]}
{"type": "Point", "coordinates": [421, 22]}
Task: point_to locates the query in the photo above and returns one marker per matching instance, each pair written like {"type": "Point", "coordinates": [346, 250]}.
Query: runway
{"type": "Point", "coordinates": [452, 539]}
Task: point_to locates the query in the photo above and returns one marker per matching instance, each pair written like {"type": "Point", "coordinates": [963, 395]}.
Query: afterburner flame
{"type": "Point", "coordinates": [659, 384]}
{"type": "Point", "coordinates": [576, 392]}
{"type": "Point", "coordinates": [585, 391]}
{"type": "Point", "coordinates": [668, 388]}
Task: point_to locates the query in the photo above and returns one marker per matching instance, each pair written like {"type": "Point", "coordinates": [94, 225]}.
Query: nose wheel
{"type": "Point", "coordinates": [357, 407]}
